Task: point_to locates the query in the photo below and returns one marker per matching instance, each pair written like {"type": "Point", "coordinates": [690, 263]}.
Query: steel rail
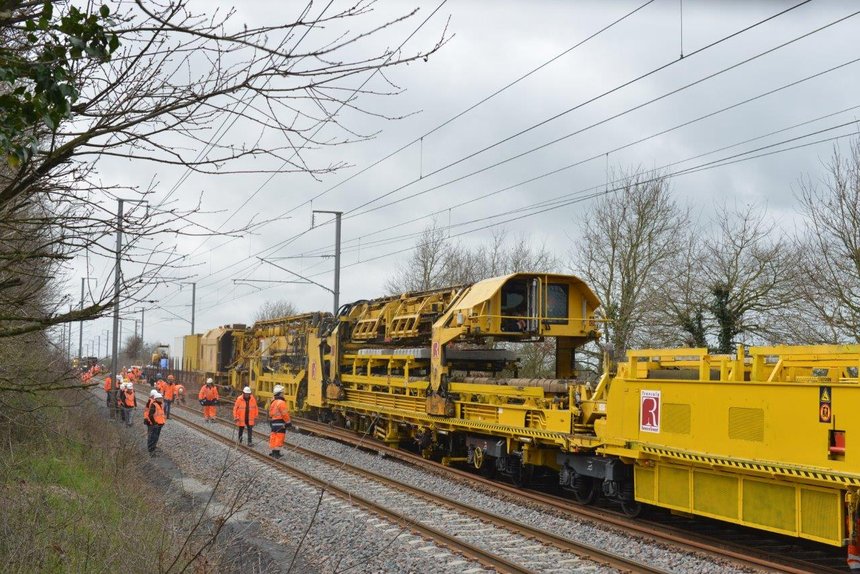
{"type": "Point", "coordinates": [656, 532]}
{"type": "Point", "coordinates": [451, 542]}
{"type": "Point", "coordinates": [583, 550]}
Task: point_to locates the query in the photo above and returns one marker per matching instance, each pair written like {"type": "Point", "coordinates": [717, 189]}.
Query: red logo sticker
{"type": "Point", "coordinates": [649, 411]}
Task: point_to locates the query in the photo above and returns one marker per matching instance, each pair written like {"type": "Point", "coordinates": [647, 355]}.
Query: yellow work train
{"type": "Point", "coordinates": [758, 438]}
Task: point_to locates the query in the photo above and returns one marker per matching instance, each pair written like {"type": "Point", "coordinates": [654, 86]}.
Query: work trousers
{"type": "Point", "coordinates": [111, 403]}
{"type": "Point", "coordinates": [250, 433]}
{"type": "Point", "coordinates": [210, 411]}
{"type": "Point", "coordinates": [152, 434]}
{"type": "Point", "coordinates": [279, 433]}
{"type": "Point", "coordinates": [167, 407]}
{"type": "Point", "coordinates": [122, 413]}
{"type": "Point", "coordinates": [127, 415]}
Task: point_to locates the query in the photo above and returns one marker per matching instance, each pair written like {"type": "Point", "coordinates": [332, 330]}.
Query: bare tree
{"type": "Point", "coordinates": [748, 273]}
{"type": "Point", "coordinates": [829, 251]}
{"type": "Point", "coordinates": [437, 262]}
{"type": "Point", "coordinates": [628, 240]}
{"type": "Point", "coordinates": [425, 268]}
{"type": "Point", "coordinates": [133, 348]}
{"type": "Point", "coordinates": [678, 313]}
{"type": "Point", "coordinates": [150, 83]}
{"type": "Point", "coordinates": [275, 309]}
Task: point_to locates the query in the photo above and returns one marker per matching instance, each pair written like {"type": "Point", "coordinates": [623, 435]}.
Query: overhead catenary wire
{"type": "Point", "coordinates": [342, 104]}
{"type": "Point", "coordinates": [564, 197]}
{"type": "Point", "coordinates": [269, 249]}
{"type": "Point", "coordinates": [600, 189]}
{"type": "Point", "coordinates": [616, 149]}
{"type": "Point", "coordinates": [324, 122]}
{"type": "Point", "coordinates": [609, 92]}
{"type": "Point", "coordinates": [458, 115]}
{"type": "Point", "coordinates": [462, 113]}
{"type": "Point", "coordinates": [351, 212]}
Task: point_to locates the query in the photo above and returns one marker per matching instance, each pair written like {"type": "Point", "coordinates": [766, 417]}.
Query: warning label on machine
{"type": "Point", "coordinates": [825, 410]}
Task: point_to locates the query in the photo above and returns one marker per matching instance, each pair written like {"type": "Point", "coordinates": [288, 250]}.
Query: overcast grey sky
{"type": "Point", "coordinates": [492, 44]}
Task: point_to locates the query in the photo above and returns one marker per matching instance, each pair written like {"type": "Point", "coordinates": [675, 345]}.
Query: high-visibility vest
{"type": "Point", "coordinates": [160, 385]}
{"type": "Point", "coordinates": [108, 384]}
{"type": "Point", "coordinates": [169, 391]}
{"type": "Point", "coordinates": [208, 393]}
{"type": "Point", "coordinates": [128, 399]}
{"type": "Point", "coordinates": [154, 414]}
{"type": "Point", "coordinates": [278, 411]}
{"type": "Point", "coordinates": [245, 412]}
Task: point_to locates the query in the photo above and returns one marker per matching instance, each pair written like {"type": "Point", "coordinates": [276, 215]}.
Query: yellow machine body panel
{"type": "Point", "coordinates": [274, 352]}
{"type": "Point", "coordinates": [191, 350]}
{"type": "Point", "coordinates": [763, 440]}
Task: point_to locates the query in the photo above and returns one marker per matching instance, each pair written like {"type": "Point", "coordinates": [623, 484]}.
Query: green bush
{"type": "Point", "coordinates": [74, 495]}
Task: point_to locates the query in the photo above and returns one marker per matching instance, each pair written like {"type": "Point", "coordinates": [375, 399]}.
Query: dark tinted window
{"type": "Point", "coordinates": [556, 301]}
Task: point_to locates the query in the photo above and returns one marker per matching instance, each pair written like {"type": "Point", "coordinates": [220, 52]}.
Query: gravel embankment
{"type": "Point", "coordinates": [279, 508]}
{"type": "Point", "coordinates": [590, 532]}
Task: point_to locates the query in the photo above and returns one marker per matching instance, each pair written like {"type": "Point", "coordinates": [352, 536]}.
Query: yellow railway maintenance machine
{"type": "Point", "coordinates": [760, 439]}
{"type": "Point", "coordinates": [441, 368]}
{"type": "Point", "coordinates": [275, 352]}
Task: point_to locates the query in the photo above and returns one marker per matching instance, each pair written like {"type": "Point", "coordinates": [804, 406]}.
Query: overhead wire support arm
{"type": "Point", "coordinates": [311, 281]}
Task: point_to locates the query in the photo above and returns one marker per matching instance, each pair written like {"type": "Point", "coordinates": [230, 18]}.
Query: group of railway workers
{"type": "Point", "coordinates": [121, 398]}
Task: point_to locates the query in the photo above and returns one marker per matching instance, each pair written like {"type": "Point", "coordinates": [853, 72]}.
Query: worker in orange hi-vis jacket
{"type": "Point", "coordinates": [128, 402]}
{"type": "Point", "coordinates": [110, 387]}
{"type": "Point", "coordinates": [279, 420]}
{"type": "Point", "coordinates": [245, 412]}
{"type": "Point", "coordinates": [169, 392]}
{"type": "Point", "coordinates": [153, 418]}
{"type": "Point", "coordinates": [160, 383]}
{"type": "Point", "coordinates": [208, 397]}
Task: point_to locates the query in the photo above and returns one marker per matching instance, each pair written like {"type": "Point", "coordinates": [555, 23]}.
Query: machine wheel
{"type": "Point", "coordinates": [478, 458]}
{"type": "Point", "coordinates": [584, 489]}
{"type": "Point", "coordinates": [521, 474]}
{"type": "Point", "coordinates": [489, 468]}
{"type": "Point", "coordinates": [631, 508]}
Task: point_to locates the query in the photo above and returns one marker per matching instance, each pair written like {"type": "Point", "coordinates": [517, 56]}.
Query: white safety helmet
{"type": "Point", "coordinates": [119, 378]}
{"type": "Point", "coordinates": [130, 386]}
{"type": "Point", "coordinates": [152, 393]}
{"type": "Point", "coordinates": [122, 386]}
{"type": "Point", "coordinates": [158, 396]}
{"type": "Point", "coordinates": [209, 381]}
{"type": "Point", "coordinates": [247, 390]}
{"type": "Point", "coordinates": [278, 390]}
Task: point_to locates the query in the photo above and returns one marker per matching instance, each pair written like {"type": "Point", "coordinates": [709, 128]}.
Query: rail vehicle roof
{"type": "Point", "coordinates": [483, 290]}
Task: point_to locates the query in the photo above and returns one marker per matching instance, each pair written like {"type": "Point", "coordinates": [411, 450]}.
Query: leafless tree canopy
{"type": "Point", "coordinates": [438, 262]}
{"type": "Point", "coordinates": [829, 250]}
{"type": "Point", "coordinates": [180, 76]}
{"type": "Point", "coordinates": [275, 309]}
{"type": "Point", "coordinates": [624, 251]}
{"type": "Point", "coordinates": [735, 284]}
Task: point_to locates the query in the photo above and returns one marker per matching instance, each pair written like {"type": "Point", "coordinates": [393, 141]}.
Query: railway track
{"type": "Point", "coordinates": [495, 541]}
{"type": "Point", "coordinates": [722, 543]}
{"type": "Point", "coordinates": [751, 552]}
